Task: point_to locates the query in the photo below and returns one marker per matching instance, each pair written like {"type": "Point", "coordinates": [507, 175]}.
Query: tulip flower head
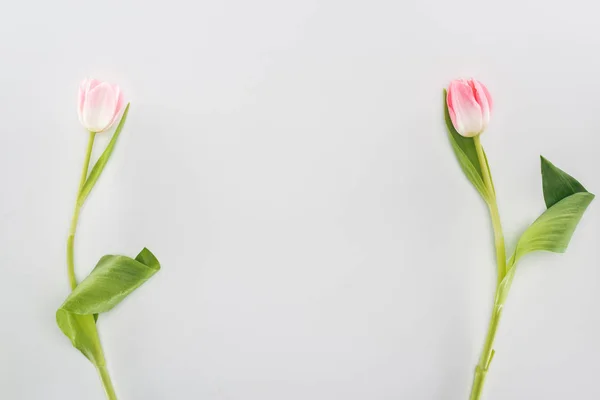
{"type": "Point", "coordinates": [99, 104]}
{"type": "Point", "coordinates": [469, 105]}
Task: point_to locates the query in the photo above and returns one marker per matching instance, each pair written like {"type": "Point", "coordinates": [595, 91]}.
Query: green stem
{"type": "Point", "coordinates": [485, 359]}
{"type": "Point", "coordinates": [488, 352]}
{"type": "Point", "coordinates": [494, 213]}
{"type": "Point", "coordinates": [102, 370]}
{"type": "Point", "coordinates": [75, 219]}
{"type": "Point", "coordinates": [107, 383]}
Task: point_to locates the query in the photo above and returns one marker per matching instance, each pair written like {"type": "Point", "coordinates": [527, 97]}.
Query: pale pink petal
{"type": "Point", "coordinates": [83, 89]}
{"type": "Point", "coordinates": [99, 104]}
{"type": "Point", "coordinates": [451, 106]}
{"type": "Point", "coordinates": [93, 83]}
{"type": "Point", "coordinates": [487, 95]}
{"type": "Point", "coordinates": [99, 107]}
{"type": "Point", "coordinates": [465, 112]}
{"type": "Point", "coordinates": [483, 98]}
{"type": "Point", "coordinates": [120, 103]}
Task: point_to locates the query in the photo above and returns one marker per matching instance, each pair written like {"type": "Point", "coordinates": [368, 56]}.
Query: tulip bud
{"type": "Point", "coordinates": [99, 104]}
{"type": "Point", "coordinates": [469, 106]}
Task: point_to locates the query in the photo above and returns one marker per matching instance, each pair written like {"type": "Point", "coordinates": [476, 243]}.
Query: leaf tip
{"type": "Point", "coordinates": [148, 258]}
{"type": "Point", "coordinates": [545, 163]}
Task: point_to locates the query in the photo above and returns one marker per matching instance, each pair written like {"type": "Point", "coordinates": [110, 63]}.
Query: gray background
{"type": "Point", "coordinates": [288, 164]}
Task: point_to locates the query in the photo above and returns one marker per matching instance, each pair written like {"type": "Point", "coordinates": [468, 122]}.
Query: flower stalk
{"type": "Point", "coordinates": [102, 370]}
{"type": "Point", "coordinates": [75, 218]}
{"type": "Point", "coordinates": [488, 352]}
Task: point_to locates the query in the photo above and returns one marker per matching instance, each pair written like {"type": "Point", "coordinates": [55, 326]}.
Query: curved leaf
{"type": "Point", "coordinates": [504, 287]}
{"type": "Point", "coordinates": [113, 278]}
{"type": "Point", "coordinates": [557, 183]}
{"type": "Point", "coordinates": [82, 331]}
{"type": "Point", "coordinates": [465, 151]}
{"type": "Point", "coordinates": [487, 164]}
{"type": "Point", "coordinates": [552, 231]}
{"type": "Point", "coordinates": [101, 163]}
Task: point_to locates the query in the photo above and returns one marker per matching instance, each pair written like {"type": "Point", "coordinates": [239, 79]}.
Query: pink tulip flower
{"type": "Point", "coordinates": [99, 104]}
{"type": "Point", "coordinates": [469, 105]}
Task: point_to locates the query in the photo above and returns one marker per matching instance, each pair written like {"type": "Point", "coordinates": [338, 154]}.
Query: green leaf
{"type": "Point", "coordinates": [101, 163]}
{"type": "Point", "coordinates": [113, 278]}
{"type": "Point", "coordinates": [557, 184]}
{"type": "Point", "coordinates": [465, 151]}
{"type": "Point", "coordinates": [82, 331]}
{"type": "Point", "coordinates": [504, 287]}
{"type": "Point", "coordinates": [487, 164]}
{"type": "Point", "coordinates": [552, 231]}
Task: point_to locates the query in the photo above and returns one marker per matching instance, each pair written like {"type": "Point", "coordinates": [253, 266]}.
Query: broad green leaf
{"type": "Point", "coordinates": [81, 329]}
{"type": "Point", "coordinates": [113, 278]}
{"type": "Point", "coordinates": [465, 151]}
{"type": "Point", "coordinates": [557, 184]}
{"type": "Point", "coordinates": [101, 163]}
{"type": "Point", "coordinates": [552, 231]}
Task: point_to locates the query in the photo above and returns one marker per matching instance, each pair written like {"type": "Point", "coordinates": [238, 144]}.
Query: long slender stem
{"type": "Point", "coordinates": [488, 352]}
{"type": "Point", "coordinates": [75, 218]}
{"type": "Point", "coordinates": [102, 370]}
{"type": "Point", "coordinates": [494, 213]}
{"type": "Point", "coordinates": [485, 359]}
{"type": "Point", "coordinates": [107, 383]}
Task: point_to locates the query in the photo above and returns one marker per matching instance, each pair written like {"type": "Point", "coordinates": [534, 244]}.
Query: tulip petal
{"type": "Point", "coordinates": [99, 110]}
{"type": "Point", "coordinates": [83, 89]}
{"type": "Point", "coordinates": [120, 103]}
{"type": "Point", "coordinates": [483, 98]}
{"type": "Point", "coordinates": [93, 83]}
{"type": "Point", "coordinates": [465, 111]}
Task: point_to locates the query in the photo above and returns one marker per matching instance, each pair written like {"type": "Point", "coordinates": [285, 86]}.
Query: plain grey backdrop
{"type": "Point", "coordinates": [288, 164]}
